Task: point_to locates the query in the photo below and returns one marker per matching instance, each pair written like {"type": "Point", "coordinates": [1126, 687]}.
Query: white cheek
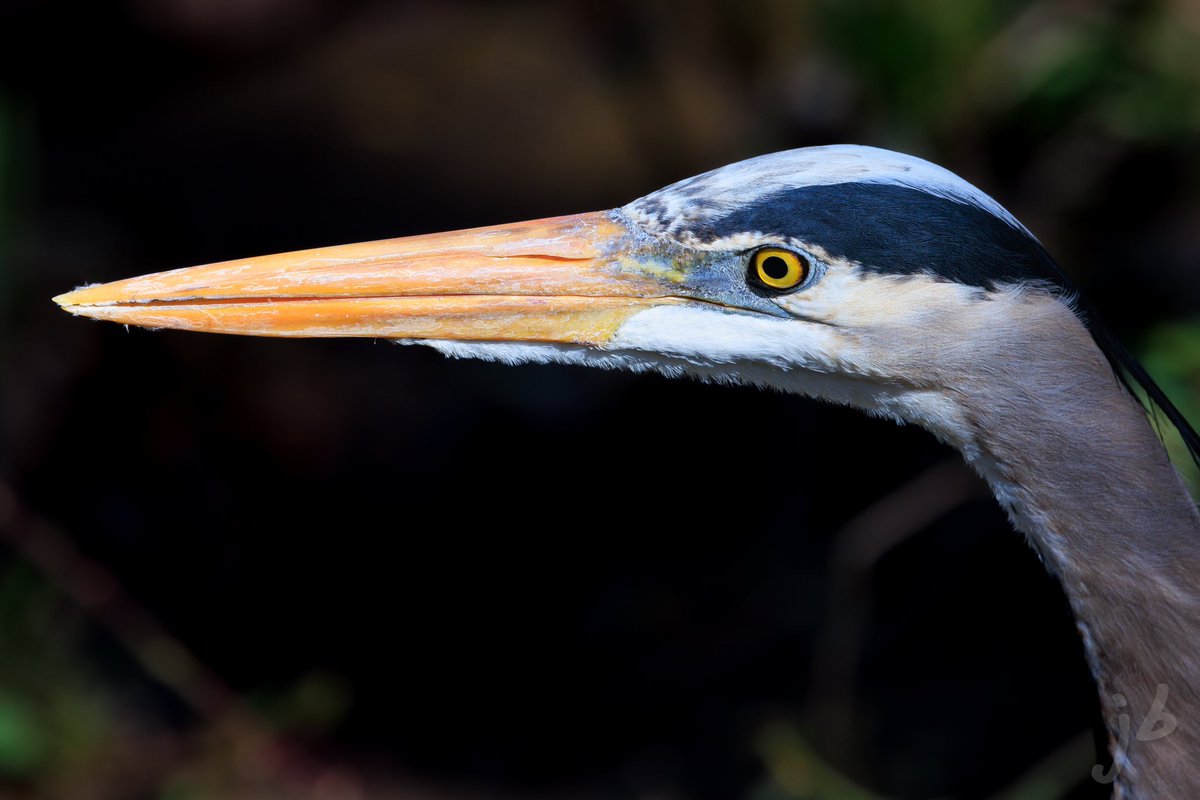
{"type": "Point", "coordinates": [704, 337]}
{"type": "Point", "coordinates": [894, 310]}
{"type": "Point", "coordinates": [843, 296]}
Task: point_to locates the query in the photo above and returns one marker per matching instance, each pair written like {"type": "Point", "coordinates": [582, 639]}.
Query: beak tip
{"type": "Point", "coordinates": [71, 301]}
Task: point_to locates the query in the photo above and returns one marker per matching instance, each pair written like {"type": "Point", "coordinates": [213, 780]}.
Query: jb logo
{"type": "Point", "coordinates": [1157, 723]}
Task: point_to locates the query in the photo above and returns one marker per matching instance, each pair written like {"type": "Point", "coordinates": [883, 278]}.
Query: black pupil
{"type": "Point", "coordinates": [775, 268]}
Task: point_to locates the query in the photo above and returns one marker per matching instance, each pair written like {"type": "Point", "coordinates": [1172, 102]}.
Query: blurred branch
{"type": "Point", "coordinates": [229, 727]}
{"type": "Point", "coordinates": [896, 516]}
{"type": "Point", "coordinates": [857, 548]}
{"type": "Point", "coordinates": [100, 596]}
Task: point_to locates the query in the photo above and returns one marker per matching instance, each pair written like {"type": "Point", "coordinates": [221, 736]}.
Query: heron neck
{"type": "Point", "coordinates": [1072, 457]}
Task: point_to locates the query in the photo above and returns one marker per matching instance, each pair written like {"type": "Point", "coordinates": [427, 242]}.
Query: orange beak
{"type": "Point", "coordinates": [572, 279]}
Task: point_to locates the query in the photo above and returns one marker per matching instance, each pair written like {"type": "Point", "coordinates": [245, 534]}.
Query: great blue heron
{"type": "Point", "coordinates": [852, 274]}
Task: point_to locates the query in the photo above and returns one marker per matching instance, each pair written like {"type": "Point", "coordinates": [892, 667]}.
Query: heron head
{"type": "Point", "coordinates": [855, 274]}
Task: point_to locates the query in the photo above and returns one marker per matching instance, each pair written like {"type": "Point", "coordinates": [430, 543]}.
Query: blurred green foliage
{"type": "Point", "coordinates": [54, 712]}
{"type": "Point", "coordinates": [798, 773]}
{"type": "Point", "coordinates": [909, 57]}
{"type": "Point", "coordinates": [310, 707]}
{"type": "Point", "coordinates": [1171, 354]}
{"type": "Point", "coordinates": [23, 740]}
{"type": "Point", "coordinates": [929, 69]}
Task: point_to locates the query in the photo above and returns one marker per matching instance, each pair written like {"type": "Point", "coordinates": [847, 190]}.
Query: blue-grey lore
{"type": "Point", "coordinates": [850, 274]}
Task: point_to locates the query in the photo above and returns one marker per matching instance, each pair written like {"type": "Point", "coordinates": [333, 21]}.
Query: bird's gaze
{"type": "Point", "coordinates": [779, 270]}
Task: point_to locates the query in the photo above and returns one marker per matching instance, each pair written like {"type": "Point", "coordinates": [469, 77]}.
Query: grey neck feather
{"type": "Point", "coordinates": [1082, 473]}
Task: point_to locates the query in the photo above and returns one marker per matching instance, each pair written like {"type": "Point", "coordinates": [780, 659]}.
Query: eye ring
{"type": "Point", "coordinates": [779, 270]}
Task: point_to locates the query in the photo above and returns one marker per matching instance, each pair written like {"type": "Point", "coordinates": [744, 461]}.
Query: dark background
{"type": "Point", "coordinates": [238, 568]}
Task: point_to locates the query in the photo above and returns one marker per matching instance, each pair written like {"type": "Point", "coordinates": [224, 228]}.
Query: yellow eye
{"type": "Point", "coordinates": [779, 269]}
